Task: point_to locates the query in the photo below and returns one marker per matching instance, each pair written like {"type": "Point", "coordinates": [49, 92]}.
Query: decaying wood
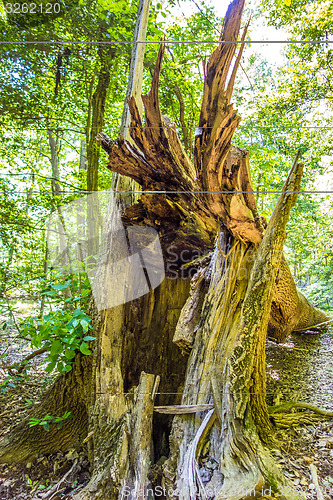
{"type": "Point", "coordinates": [134, 87]}
{"type": "Point", "coordinates": [248, 284]}
{"type": "Point", "coordinates": [135, 337]}
{"type": "Point", "coordinates": [186, 211]}
{"type": "Point", "coordinates": [135, 480]}
{"type": "Point", "coordinates": [182, 409]}
{"type": "Point", "coordinates": [231, 339]}
{"type": "Point", "coordinates": [190, 314]}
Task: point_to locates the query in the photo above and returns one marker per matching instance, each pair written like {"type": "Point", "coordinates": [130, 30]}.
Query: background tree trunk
{"type": "Point", "coordinates": [93, 147]}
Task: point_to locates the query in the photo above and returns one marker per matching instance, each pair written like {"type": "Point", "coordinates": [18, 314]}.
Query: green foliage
{"type": "Point", "coordinates": [48, 420]}
{"type": "Point", "coordinates": [31, 483]}
{"type": "Point", "coordinates": [7, 382]}
{"type": "Point", "coordinates": [75, 287]}
{"type": "Point", "coordinates": [64, 333]}
{"type": "Point", "coordinates": [289, 108]}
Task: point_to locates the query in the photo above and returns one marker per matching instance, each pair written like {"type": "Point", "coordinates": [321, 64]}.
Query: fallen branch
{"type": "Point", "coordinates": [19, 367]}
{"type": "Point", "coordinates": [182, 409]}
{"type": "Point", "coordinates": [315, 481]}
{"type": "Point", "coordinates": [55, 489]}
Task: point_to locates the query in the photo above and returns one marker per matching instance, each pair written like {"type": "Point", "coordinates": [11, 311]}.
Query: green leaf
{"type": "Point", "coordinates": [56, 347]}
{"type": "Point", "coordinates": [60, 367]}
{"type": "Point", "coordinates": [69, 354]}
{"type": "Point", "coordinates": [76, 299]}
{"type": "Point", "coordinates": [59, 287]}
{"type": "Point", "coordinates": [85, 325]}
{"type": "Point", "coordinates": [50, 367]}
{"type": "Point", "coordinates": [84, 348]}
{"type": "Point", "coordinates": [33, 422]}
{"type": "Point", "coordinates": [50, 293]}
{"type": "Point", "coordinates": [88, 338]}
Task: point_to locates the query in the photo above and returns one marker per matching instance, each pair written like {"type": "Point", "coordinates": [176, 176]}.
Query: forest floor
{"type": "Point", "coordinates": [299, 370]}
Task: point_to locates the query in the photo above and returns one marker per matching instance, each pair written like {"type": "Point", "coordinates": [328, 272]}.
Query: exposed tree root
{"type": "Point", "coordinates": [286, 420]}
{"type": "Point", "coordinates": [280, 416]}
{"type": "Point", "coordinates": [287, 407]}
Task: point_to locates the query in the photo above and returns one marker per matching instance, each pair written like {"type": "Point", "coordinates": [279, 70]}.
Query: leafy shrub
{"type": "Point", "coordinates": [64, 333]}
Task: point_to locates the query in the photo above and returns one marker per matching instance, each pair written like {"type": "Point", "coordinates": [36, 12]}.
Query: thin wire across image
{"type": "Point", "coordinates": [131, 42]}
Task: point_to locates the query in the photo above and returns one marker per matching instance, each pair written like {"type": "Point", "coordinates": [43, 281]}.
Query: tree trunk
{"type": "Point", "coordinates": [93, 147]}
{"type": "Point", "coordinates": [54, 150]}
{"type": "Point", "coordinates": [71, 392]}
{"type": "Point", "coordinates": [241, 291]}
{"type": "Point", "coordinates": [227, 368]}
{"type": "Point", "coordinates": [56, 195]}
{"type": "Point", "coordinates": [97, 120]}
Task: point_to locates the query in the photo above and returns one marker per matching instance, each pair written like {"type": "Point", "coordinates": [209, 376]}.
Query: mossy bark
{"type": "Point", "coordinates": [70, 393]}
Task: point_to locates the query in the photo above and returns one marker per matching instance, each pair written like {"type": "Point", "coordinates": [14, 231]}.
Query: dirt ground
{"type": "Point", "coordinates": [299, 370]}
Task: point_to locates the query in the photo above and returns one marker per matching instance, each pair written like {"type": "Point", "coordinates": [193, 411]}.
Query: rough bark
{"type": "Point", "coordinates": [227, 369]}
{"type": "Point", "coordinates": [71, 392]}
